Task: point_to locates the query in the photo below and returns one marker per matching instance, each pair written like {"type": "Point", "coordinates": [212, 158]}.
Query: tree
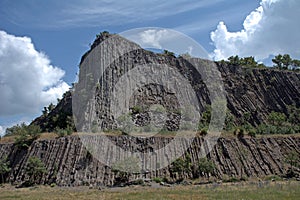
{"type": "Point", "coordinates": [282, 61]}
{"type": "Point", "coordinates": [286, 61]}
{"type": "Point", "coordinates": [35, 169]}
{"type": "Point", "coordinates": [169, 53]}
{"type": "Point", "coordinates": [292, 159]}
{"type": "Point", "coordinates": [51, 106]}
{"type": "Point", "coordinates": [234, 60]}
{"type": "Point", "coordinates": [248, 61]}
{"type": "Point", "coordinates": [294, 115]}
{"type": "Point", "coordinates": [276, 118]}
{"type": "Point", "coordinates": [206, 167]}
{"type": "Point", "coordinates": [205, 118]}
{"type": "Point", "coordinates": [178, 166]}
{"type": "Point", "coordinates": [102, 34]}
{"type": "Point", "coordinates": [45, 111]}
{"type": "Point", "coordinates": [182, 165]}
{"type": "Point", "coordinates": [4, 169]}
{"type": "Point", "coordinates": [278, 61]}
{"type": "Point", "coordinates": [296, 63]}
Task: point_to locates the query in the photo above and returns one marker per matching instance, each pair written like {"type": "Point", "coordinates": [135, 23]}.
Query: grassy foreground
{"type": "Point", "coordinates": [246, 190]}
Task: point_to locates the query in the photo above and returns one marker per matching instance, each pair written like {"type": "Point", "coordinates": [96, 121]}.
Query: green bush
{"type": "Point", "coordinates": [206, 167]}
{"type": "Point", "coordinates": [182, 165]}
{"type": "Point", "coordinates": [231, 180]}
{"type": "Point", "coordinates": [32, 131]}
{"type": "Point", "coordinates": [265, 129]}
{"type": "Point", "coordinates": [25, 135]}
{"type": "Point", "coordinates": [63, 132]}
{"type": "Point", "coordinates": [35, 168]}
{"type": "Point", "coordinates": [276, 118]}
{"type": "Point", "coordinates": [273, 178]}
{"type": "Point", "coordinates": [157, 179]}
{"type": "Point", "coordinates": [239, 132]}
{"type": "Point", "coordinates": [252, 133]}
{"type": "Point", "coordinates": [52, 185]}
{"type": "Point", "coordinates": [4, 169]}
{"type": "Point", "coordinates": [203, 132]}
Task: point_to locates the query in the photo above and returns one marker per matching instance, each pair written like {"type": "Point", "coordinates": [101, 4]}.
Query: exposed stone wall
{"type": "Point", "coordinates": [69, 164]}
{"type": "Point", "coordinates": [253, 91]}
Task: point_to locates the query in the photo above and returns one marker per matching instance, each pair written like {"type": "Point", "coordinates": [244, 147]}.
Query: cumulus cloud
{"type": "Point", "coordinates": [269, 30]}
{"type": "Point", "coordinates": [154, 38]}
{"type": "Point", "coordinates": [28, 81]}
{"type": "Point", "coordinates": [2, 131]}
{"type": "Point", "coordinates": [161, 38]}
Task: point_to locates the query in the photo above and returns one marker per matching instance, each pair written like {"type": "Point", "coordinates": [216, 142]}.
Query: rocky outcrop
{"type": "Point", "coordinates": [68, 162]}
{"type": "Point", "coordinates": [256, 92]}
{"type": "Point", "coordinates": [60, 117]}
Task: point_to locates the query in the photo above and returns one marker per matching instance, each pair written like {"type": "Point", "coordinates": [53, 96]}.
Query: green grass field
{"type": "Point", "coordinates": [242, 190]}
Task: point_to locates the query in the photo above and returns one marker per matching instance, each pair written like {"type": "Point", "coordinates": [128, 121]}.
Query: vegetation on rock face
{"type": "Point", "coordinates": [169, 53]}
{"type": "Point", "coordinates": [182, 166]}
{"type": "Point", "coordinates": [206, 167]}
{"type": "Point", "coordinates": [124, 169]}
{"type": "Point", "coordinates": [284, 120]}
{"type": "Point", "coordinates": [283, 62]}
{"type": "Point", "coordinates": [246, 62]}
{"type": "Point", "coordinates": [4, 169]}
{"type": "Point", "coordinates": [35, 169]}
{"type": "Point", "coordinates": [279, 123]}
{"type": "Point", "coordinates": [292, 159]}
{"type": "Point", "coordinates": [24, 134]}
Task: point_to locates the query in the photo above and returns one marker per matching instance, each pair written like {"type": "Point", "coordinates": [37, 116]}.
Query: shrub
{"type": "Point", "coordinates": [25, 135]}
{"type": "Point", "coordinates": [182, 165]}
{"type": "Point", "coordinates": [252, 133]}
{"type": "Point", "coordinates": [231, 180]}
{"type": "Point", "coordinates": [169, 53]}
{"type": "Point", "coordinates": [273, 178]}
{"type": "Point", "coordinates": [35, 169]}
{"type": "Point", "coordinates": [136, 109]}
{"type": "Point", "coordinates": [239, 132]}
{"type": "Point", "coordinates": [52, 185]}
{"type": "Point", "coordinates": [205, 167]}
{"type": "Point", "coordinates": [276, 118]}
{"type": "Point", "coordinates": [63, 132]}
{"type": "Point", "coordinates": [4, 169]}
{"type": "Point", "coordinates": [203, 132]}
{"type": "Point", "coordinates": [157, 179]}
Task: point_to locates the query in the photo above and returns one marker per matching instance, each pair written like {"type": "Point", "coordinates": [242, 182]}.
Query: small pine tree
{"type": "Point", "coordinates": [4, 169]}
{"type": "Point", "coordinates": [206, 167]}
{"type": "Point", "coordinates": [35, 169]}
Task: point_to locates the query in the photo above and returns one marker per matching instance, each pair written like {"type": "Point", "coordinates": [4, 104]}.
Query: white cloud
{"type": "Point", "coordinates": [161, 38]}
{"type": "Point", "coordinates": [2, 131]}
{"type": "Point", "coordinates": [27, 79]}
{"type": "Point", "coordinates": [269, 30]}
{"type": "Point", "coordinates": [153, 38]}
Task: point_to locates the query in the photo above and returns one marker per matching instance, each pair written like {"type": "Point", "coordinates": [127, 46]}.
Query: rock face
{"type": "Point", "coordinates": [68, 162]}
{"type": "Point", "coordinates": [256, 92]}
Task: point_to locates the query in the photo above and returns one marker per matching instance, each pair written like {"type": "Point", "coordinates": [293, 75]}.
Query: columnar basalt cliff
{"type": "Point", "coordinates": [256, 92]}
{"type": "Point", "coordinates": [68, 162]}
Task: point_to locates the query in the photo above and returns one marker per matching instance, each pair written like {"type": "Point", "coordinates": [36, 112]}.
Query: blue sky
{"type": "Point", "coordinates": [55, 34]}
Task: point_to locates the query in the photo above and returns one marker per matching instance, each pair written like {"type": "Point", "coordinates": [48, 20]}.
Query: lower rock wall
{"type": "Point", "coordinates": [68, 162]}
